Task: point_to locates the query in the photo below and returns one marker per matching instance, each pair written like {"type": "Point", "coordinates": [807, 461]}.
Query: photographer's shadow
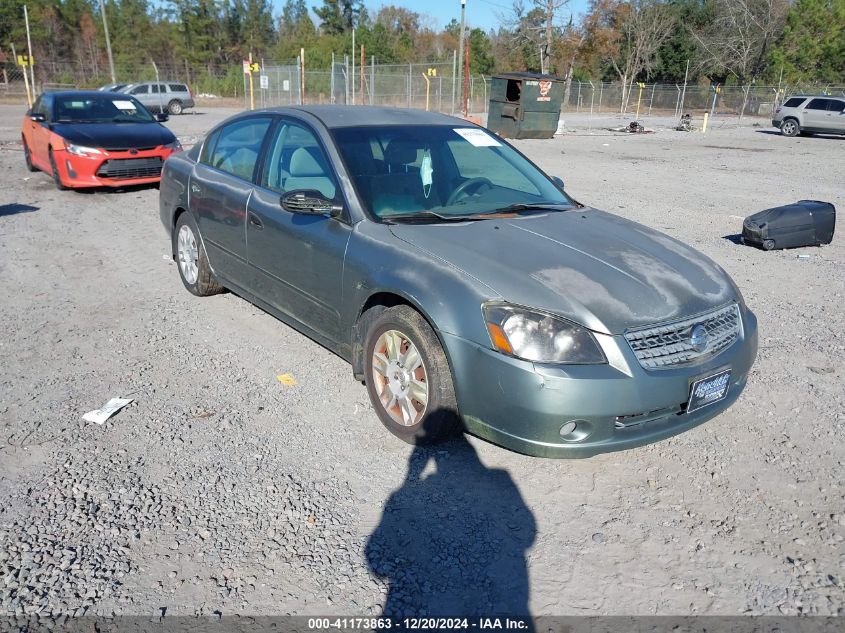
{"type": "Point", "coordinates": [453, 542]}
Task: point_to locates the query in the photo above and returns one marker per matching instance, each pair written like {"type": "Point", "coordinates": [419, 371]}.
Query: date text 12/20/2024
{"type": "Point", "coordinates": [422, 623]}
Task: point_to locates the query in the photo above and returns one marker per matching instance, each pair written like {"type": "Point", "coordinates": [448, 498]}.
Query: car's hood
{"type": "Point", "coordinates": [115, 136]}
{"type": "Point", "coordinates": [592, 267]}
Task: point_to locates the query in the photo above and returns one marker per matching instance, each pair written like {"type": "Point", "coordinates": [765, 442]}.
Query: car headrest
{"type": "Point", "coordinates": [399, 152]}
{"type": "Point", "coordinates": [303, 163]}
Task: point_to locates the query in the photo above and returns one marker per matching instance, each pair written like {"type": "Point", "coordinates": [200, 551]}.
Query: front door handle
{"type": "Point", "coordinates": [255, 221]}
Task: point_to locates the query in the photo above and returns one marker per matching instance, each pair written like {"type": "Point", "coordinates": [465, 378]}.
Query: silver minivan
{"type": "Point", "coordinates": [806, 115]}
{"type": "Point", "coordinates": [162, 96]}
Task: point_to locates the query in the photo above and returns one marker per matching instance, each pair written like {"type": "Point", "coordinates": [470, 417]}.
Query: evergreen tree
{"type": "Point", "coordinates": [812, 45]}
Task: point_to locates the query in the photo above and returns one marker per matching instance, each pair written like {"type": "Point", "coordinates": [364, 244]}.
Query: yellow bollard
{"type": "Point", "coordinates": [639, 98]}
{"type": "Point", "coordinates": [704, 127]}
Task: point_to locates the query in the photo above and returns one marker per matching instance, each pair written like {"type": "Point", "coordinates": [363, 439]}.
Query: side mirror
{"type": "Point", "coordinates": [161, 117]}
{"type": "Point", "coordinates": [558, 181]}
{"type": "Point", "coordinates": [38, 117]}
{"type": "Point", "coordinates": [309, 201]}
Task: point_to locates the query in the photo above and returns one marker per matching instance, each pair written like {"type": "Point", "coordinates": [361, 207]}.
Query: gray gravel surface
{"type": "Point", "coordinates": [222, 490]}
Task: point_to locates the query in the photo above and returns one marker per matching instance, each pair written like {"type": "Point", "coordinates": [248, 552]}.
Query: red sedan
{"type": "Point", "coordinates": [95, 139]}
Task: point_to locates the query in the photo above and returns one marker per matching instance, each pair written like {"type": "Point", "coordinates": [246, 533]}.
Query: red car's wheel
{"type": "Point", "coordinates": [57, 179]}
{"type": "Point", "coordinates": [27, 156]}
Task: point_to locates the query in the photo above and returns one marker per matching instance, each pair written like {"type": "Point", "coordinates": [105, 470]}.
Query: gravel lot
{"type": "Point", "coordinates": [222, 490]}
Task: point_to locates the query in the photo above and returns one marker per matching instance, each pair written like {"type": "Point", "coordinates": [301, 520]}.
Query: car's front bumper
{"type": "Point", "coordinates": [523, 405]}
{"type": "Point", "coordinates": [111, 169]}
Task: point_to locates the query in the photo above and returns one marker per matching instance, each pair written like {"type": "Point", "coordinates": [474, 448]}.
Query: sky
{"type": "Point", "coordinates": [481, 14]}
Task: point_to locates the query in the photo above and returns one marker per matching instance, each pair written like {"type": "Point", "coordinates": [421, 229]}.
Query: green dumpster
{"type": "Point", "coordinates": [525, 105]}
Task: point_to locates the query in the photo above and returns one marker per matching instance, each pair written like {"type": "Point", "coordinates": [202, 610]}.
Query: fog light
{"type": "Point", "coordinates": [568, 428]}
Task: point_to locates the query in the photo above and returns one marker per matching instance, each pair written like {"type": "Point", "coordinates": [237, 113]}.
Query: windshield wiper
{"type": "Point", "coordinates": [529, 206]}
{"type": "Point", "coordinates": [427, 216]}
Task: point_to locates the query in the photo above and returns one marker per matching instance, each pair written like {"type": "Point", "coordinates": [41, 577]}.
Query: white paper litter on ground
{"type": "Point", "coordinates": [99, 416]}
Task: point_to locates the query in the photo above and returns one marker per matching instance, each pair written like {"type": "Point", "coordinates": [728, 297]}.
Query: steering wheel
{"type": "Point", "coordinates": [466, 185]}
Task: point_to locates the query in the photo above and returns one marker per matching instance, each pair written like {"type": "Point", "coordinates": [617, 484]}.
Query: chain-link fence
{"type": "Point", "coordinates": [676, 99]}
{"type": "Point", "coordinates": [420, 85]}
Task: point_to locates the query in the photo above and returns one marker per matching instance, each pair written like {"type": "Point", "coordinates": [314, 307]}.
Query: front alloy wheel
{"type": "Point", "coordinates": [408, 376]}
{"type": "Point", "coordinates": [790, 128]}
{"type": "Point", "coordinates": [400, 378]}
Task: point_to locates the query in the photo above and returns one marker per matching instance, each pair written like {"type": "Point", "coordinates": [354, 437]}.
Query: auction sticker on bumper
{"type": "Point", "coordinates": [709, 390]}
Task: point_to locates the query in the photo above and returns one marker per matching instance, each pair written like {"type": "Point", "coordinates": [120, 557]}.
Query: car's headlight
{"type": "Point", "coordinates": [539, 337]}
{"type": "Point", "coordinates": [81, 150]}
{"type": "Point", "coordinates": [176, 146]}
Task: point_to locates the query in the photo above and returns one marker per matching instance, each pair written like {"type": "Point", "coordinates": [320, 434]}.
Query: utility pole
{"type": "Point", "coordinates": [29, 51]}
{"type": "Point", "coordinates": [108, 41]}
{"type": "Point", "coordinates": [461, 49]}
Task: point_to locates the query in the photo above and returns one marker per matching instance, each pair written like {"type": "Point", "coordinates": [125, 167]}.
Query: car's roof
{"type": "Point", "coordinates": [338, 116]}
{"type": "Point", "coordinates": [815, 97]}
{"type": "Point", "coordinates": [78, 93]}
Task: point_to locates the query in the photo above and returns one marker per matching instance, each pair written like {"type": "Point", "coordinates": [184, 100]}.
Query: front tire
{"type": "Point", "coordinates": [27, 156]}
{"type": "Point", "coordinates": [790, 127]}
{"type": "Point", "coordinates": [57, 179]}
{"type": "Point", "coordinates": [408, 377]}
{"type": "Point", "coordinates": [768, 245]}
{"type": "Point", "coordinates": [191, 259]}
{"type": "Point", "coordinates": [175, 107]}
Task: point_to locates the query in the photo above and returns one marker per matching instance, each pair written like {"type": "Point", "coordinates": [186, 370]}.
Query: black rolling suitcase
{"type": "Point", "coordinates": [805, 223]}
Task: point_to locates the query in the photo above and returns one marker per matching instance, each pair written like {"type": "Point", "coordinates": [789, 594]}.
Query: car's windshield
{"type": "Point", "coordinates": [106, 108]}
{"type": "Point", "coordinates": [438, 170]}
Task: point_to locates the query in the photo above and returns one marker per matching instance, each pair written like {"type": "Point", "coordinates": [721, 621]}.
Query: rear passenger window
{"type": "Point", "coordinates": [794, 102]}
{"type": "Point", "coordinates": [834, 105]}
{"type": "Point", "coordinates": [817, 104]}
{"type": "Point", "coordinates": [238, 146]}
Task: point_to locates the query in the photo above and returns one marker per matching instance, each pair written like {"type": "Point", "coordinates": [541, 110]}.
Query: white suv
{"type": "Point", "coordinates": [811, 114]}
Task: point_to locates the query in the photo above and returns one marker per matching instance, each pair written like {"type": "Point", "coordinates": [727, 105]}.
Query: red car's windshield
{"type": "Point", "coordinates": [108, 108]}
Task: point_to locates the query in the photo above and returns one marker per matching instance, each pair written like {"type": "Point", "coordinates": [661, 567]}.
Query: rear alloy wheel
{"type": "Point", "coordinates": [790, 128]}
{"type": "Point", "coordinates": [57, 179]}
{"type": "Point", "coordinates": [408, 378]}
{"type": "Point", "coordinates": [175, 107]}
{"type": "Point", "coordinates": [191, 259]}
{"type": "Point", "coordinates": [27, 156]}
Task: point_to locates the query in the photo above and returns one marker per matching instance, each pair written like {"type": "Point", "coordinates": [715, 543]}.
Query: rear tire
{"type": "Point", "coordinates": [408, 377]}
{"type": "Point", "coordinates": [57, 179]}
{"type": "Point", "coordinates": [175, 107]}
{"type": "Point", "coordinates": [27, 156]}
{"type": "Point", "coordinates": [191, 259]}
{"type": "Point", "coordinates": [790, 127]}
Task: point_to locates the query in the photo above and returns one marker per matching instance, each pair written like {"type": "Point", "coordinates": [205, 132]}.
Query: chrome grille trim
{"type": "Point", "coordinates": [668, 345]}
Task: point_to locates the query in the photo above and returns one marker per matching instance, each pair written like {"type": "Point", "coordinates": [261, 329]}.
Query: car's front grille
{"type": "Point", "coordinates": [670, 345]}
{"type": "Point", "coordinates": [126, 168]}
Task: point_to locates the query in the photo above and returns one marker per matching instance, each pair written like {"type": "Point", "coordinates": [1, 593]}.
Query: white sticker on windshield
{"type": "Point", "coordinates": [124, 105]}
{"type": "Point", "coordinates": [477, 137]}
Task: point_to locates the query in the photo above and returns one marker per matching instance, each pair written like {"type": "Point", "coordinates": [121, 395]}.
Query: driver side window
{"type": "Point", "coordinates": [296, 161]}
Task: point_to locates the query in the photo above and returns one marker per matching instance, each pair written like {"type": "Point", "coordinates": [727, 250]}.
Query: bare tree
{"type": "Point", "coordinates": [628, 35]}
{"type": "Point", "coordinates": [536, 26]}
{"type": "Point", "coordinates": [738, 39]}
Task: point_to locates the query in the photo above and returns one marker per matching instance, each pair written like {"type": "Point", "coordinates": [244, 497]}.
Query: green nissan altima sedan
{"type": "Point", "coordinates": [464, 286]}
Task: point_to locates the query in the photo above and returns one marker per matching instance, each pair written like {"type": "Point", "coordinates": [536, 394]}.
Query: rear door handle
{"type": "Point", "coordinates": [255, 221]}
